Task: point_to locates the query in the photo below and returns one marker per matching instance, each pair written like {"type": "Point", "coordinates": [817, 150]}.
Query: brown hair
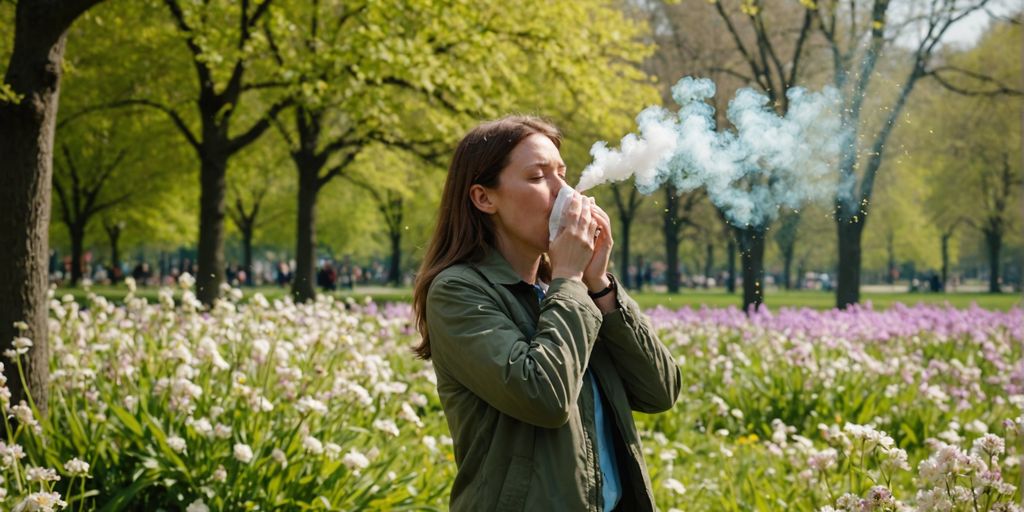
{"type": "Point", "coordinates": [463, 232]}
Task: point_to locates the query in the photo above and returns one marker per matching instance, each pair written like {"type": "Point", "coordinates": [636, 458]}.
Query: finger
{"type": "Point", "coordinates": [571, 212]}
{"type": "Point", "coordinates": [603, 214]}
{"type": "Point", "coordinates": [585, 215]}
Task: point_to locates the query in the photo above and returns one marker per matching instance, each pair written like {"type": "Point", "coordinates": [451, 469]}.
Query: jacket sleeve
{"type": "Point", "coordinates": [537, 380]}
{"type": "Point", "coordinates": [647, 368]}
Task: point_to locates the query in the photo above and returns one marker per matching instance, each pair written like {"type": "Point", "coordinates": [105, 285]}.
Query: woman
{"type": "Point", "coordinates": [540, 356]}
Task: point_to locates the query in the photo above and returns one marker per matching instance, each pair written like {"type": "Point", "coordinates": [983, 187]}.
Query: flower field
{"type": "Point", "coordinates": [271, 405]}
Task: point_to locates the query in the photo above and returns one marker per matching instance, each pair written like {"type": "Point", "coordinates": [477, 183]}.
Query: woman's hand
{"type": "Point", "coordinates": [595, 276]}
{"type": "Point", "coordinates": [573, 247]}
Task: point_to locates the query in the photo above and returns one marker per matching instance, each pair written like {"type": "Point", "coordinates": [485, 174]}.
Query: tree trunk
{"type": "Point", "coordinates": [26, 150]}
{"type": "Point", "coordinates": [890, 250]}
{"type": "Point", "coordinates": [945, 260]}
{"type": "Point", "coordinates": [751, 243]}
{"type": "Point", "coordinates": [247, 254]}
{"type": "Point", "coordinates": [671, 231]}
{"type": "Point", "coordinates": [114, 236]}
{"type": "Point", "coordinates": [626, 207]}
{"type": "Point", "coordinates": [624, 251]}
{"type": "Point", "coordinates": [709, 264]}
{"type": "Point", "coordinates": [212, 192]}
{"type": "Point", "coordinates": [77, 248]}
{"type": "Point", "coordinates": [395, 270]}
{"type": "Point", "coordinates": [730, 281]}
{"type": "Point", "coordinates": [304, 284]}
{"type": "Point", "coordinates": [848, 275]}
{"type": "Point", "coordinates": [994, 243]}
{"type": "Point", "coordinates": [787, 264]}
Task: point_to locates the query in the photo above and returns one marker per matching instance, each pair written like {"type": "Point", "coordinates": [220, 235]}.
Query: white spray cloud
{"type": "Point", "coordinates": [767, 162]}
{"type": "Point", "coordinates": [638, 156]}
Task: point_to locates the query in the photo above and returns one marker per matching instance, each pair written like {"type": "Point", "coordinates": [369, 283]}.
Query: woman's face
{"type": "Point", "coordinates": [527, 188]}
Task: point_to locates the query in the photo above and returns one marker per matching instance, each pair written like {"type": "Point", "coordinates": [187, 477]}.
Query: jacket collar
{"type": "Point", "coordinates": [497, 269]}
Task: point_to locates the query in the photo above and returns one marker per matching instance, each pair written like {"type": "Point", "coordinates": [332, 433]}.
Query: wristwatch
{"type": "Point", "coordinates": [607, 289]}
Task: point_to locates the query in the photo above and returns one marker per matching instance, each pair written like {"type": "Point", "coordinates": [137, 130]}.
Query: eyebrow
{"type": "Point", "coordinates": [544, 163]}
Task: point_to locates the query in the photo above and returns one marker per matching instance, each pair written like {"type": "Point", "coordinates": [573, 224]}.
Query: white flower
{"type": "Point", "coordinates": [308, 403]}
{"type": "Point", "coordinates": [387, 426]}
{"type": "Point", "coordinates": [41, 502]}
{"type": "Point", "coordinates": [202, 426]}
{"type": "Point", "coordinates": [407, 414]}
{"type": "Point", "coordinates": [991, 445]}
{"type": "Point", "coordinates": [220, 474]}
{"type": "Point", "coordinates": [675, 486]}
{"type": "Point", "coordinates": [355, 461]}
{"type": "Point", "coordinates": [823, 460]}
{"type": "Point", "coordinates": [186, 281]}
{"type": "Point", "coordinates": [22, 344]}
{"type": "Point", "coordinates": [36, 474]}
{"type": "Point", "coordinates": [9, 454]}
{"type": "Point", "coordinates": [176, 443]}
{"type": "Point", "coordinates": [24, 414]}
{"type": "Point", "coordinates": [76, 467]}
{"type": "Point", "coordinates": [280, 457]}
{"type": "Point", "coordinates": [243, 453]}
{"type": "Point", "coordinates": [332, 450]}
{"type": "Point", "coordinates": [222, 431]}
{"type": "Point", "coordinates": [313, 445]}
{"type": "Point", "coordinates": [976, 427]}
{"type": "Point", "coordinates": [197, 506]}
{"type": "Point", "coordinates": [21, 326]}
{"type": "Point", "coordinates": [208, 350]}
{"type": "Point", "coordinates": [430, 442]}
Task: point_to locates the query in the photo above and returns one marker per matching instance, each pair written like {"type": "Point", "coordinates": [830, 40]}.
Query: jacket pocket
{"type": "Point", "coordinates": [516, 485]}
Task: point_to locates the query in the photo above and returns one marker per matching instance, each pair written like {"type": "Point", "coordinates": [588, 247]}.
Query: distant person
{"type": "Point", "coordinates": [141, 273]}
{"type": "Point", "coordinates": [283, 274]}
{"type": "Point", "coordinates": [540, 355]}
{"type": "Point", "coordinates": [935, 283]}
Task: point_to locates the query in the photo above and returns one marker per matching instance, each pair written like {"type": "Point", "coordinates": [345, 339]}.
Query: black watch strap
{"type": "Point", "coordinates": [607, 289]}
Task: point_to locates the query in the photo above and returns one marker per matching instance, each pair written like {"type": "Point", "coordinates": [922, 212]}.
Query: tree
{"type": "Point", "coordinates": [114, 230]}
{"type": "Point", "coordinates": [973, 178]}
{"type": "Point", "coordinates": [402, 74]}
{"type": "Point", "coordinates": [785, 238]}
{"type": "Point", "coordinates": [91, 179]}
{"type": "Point", "coordinates": [29, 96]}
{"type": "Point", "coordinates": [679, 213]}
{"type": "Point", "coordinates": [626, 207]}
{"type": "Point", "coordinates": [224, 51]}
{"type": "Point", "coordinates": [853, 67]}
{"type": "Point", "coordinates": [248, 209]}
{"type": "Point", "coordinates": [743, 47]}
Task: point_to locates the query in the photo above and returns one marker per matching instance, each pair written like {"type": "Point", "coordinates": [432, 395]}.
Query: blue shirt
{"type": "Point", "coordinates": [611, 490]}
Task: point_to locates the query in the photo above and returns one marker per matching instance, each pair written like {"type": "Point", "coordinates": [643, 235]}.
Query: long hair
{"type": "Point", "coordinates": [463, 232]}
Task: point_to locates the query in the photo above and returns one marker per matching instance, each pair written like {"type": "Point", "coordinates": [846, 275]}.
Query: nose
{"type": "Point", "coordinates": [555, 183]}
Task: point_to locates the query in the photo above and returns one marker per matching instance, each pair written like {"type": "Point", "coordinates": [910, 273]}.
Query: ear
{"type": "Point", "coordinates": [481, 198]}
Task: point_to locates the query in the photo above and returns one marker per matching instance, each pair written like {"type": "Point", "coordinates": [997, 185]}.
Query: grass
{"type": "Point", "coordinates": [692, 298]}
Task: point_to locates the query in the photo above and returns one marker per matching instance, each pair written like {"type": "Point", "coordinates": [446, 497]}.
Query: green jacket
{"type": "Point", "coordinates": [510, 375]}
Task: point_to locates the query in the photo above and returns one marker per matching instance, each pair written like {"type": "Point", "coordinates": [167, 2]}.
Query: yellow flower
{"type": "Point", "coordinates": [749, 439]}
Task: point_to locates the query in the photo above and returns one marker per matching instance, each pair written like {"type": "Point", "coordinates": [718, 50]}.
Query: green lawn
{"type": "Point", "coordinates": [692, 298]}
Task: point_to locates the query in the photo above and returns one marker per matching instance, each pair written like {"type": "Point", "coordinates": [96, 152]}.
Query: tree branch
{"type": "Point", "coordinates": [205, 75]}
{"type": "Point", "coordinates": [999, 90]}
{"type": "Point", "coordinates": [173, 114]}
{"type": "Point", "coordinates": [336, 170]}
{"type": "Point", "coordinates": [257, 129]}
{"type": "Point", "coordinates": [740, 46]}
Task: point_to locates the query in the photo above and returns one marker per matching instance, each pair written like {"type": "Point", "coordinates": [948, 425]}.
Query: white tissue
{"type": "Point", "coordinates": [555, 220]}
